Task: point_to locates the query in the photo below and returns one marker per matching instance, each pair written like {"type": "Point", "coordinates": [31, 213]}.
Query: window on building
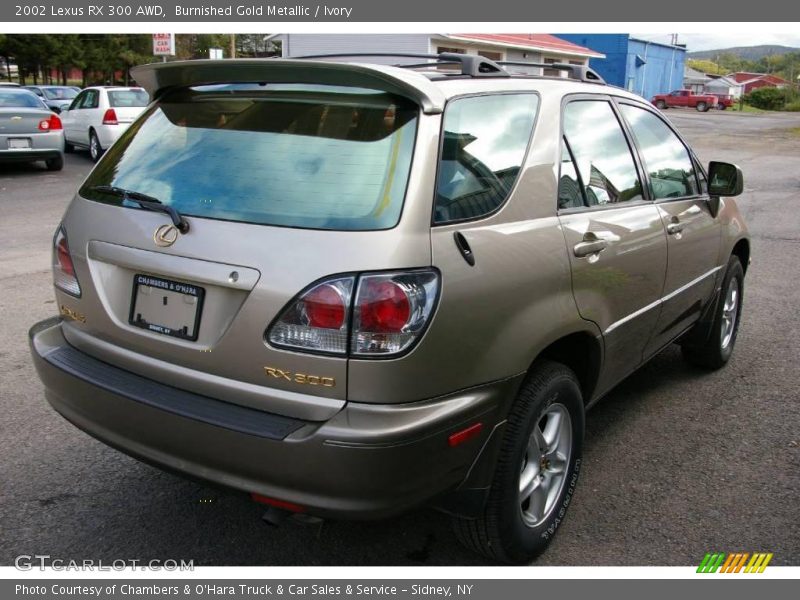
{"type": "Point", "coordinates": [671, 171]}
{"type": "Point", "coordinates": [491, 55]}
{"type": "Point", "coordinates": [602, 157]}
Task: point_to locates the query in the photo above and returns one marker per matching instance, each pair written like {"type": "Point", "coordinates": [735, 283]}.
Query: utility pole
{"type": "Point", "coordinates": [233, 45]}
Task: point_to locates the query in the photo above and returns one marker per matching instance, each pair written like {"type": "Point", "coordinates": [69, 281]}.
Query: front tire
{"type": "Point", "coordinates": [702, 107]}
{"type": "Point", "coordinates": [718, 347]}
{"type": "Point", "coordinates": [537, 469]}
{"type": "Point", "coordinates": [661, 105]}
{"type": "Point", "coordinates": [95, 150]}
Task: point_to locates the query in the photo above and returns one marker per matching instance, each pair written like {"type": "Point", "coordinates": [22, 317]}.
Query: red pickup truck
{"type": "Point", "coordinates": [724, 101]}
{"type": "Point", "coordinates": [685, 99]}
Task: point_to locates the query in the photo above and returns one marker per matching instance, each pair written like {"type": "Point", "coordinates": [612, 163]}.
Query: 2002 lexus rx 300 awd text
{"type": "Point", "coordinates": [354, 289]}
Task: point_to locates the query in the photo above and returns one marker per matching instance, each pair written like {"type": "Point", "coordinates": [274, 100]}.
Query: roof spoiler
{"type": "Point", "coordinates": [159, 78]}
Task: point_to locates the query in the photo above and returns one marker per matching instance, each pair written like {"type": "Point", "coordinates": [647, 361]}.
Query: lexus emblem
{"type": "Point", "coordinates": [165, 235]}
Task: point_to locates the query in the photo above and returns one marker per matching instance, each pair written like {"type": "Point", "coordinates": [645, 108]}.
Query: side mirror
{"type": "Point", "coordinates": [724, 179]}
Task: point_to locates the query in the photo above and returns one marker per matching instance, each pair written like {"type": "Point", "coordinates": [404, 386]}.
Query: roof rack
{"type": "Point", "coordinates": [579, 72]}
{"type": "Point", "coordinates": [471, 65]}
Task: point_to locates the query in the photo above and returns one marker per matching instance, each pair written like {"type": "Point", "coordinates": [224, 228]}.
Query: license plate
{"type": "Point", "coordinates": [18, 143]}
{"type": "Point", "coordinates": [166, 307]}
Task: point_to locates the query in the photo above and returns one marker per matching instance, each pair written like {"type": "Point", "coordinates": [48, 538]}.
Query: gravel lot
{"type": "Point", "coordinates": [677, 462]}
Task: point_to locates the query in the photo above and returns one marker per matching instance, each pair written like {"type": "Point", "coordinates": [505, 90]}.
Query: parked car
{"type": "Point", "coordinates": [56, 97]}
{"type": "Point", "coordinates": [724, 101]}
{"type": "Point", "coordinates": [9, 84]}
{"type": "Point", "coordinates": [99, 115]}
{"type": "Point", "coordinates": [29, 131]}
{"type": "Point", "coordinates": [685, 99]}
{"type": "Point", "coordinates": [352, 289]}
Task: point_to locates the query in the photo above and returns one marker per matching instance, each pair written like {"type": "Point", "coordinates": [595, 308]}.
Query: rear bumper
{"type": "Point", "coordinates": [368, 461]}
{"type": "Point", "coordinates": [28, 155]}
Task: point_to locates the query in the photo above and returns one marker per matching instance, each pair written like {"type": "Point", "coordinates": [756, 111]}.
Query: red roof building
{"type": "Point", "coordinates": [752, 81]}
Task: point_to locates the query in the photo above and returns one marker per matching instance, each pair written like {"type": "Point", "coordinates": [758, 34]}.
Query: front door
{"type": "Point", "coordinates": [615, 236]}
{"type": "Point", "coordinates": [694, 234]}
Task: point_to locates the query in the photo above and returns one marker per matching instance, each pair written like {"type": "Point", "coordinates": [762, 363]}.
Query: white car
{"type": "Point", "coordinates": [99, 115]}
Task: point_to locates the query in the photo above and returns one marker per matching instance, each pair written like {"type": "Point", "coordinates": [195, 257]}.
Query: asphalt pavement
{"type": "Point", "coordinates": [678, 462]}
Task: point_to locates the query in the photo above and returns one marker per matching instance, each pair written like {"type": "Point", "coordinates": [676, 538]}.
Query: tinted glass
{"type": "Point", "coordinates": [123, 98]}
{"type": "Point", "coordinates": [665, 157]}
{"type": "Point", "coordinates": [18, 98]}
{"type": "Point", "coordinates": [301, 156]}
{"type": "Point", "coordinates": [570, 193]}
{"type": "Point", "coordinates": [91, 99]}
{"type": "Point", "coordinates": [59, 93]}
{"type": "Point", "coordinates": [484, 143]}
{"type": "Point", "coordinates": [602, 155]}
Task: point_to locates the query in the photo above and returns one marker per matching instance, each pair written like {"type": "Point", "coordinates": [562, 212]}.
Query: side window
{"type": "Point", "coordinates": [90, 101]}
{"type": "Point", "coordinates": [701, 178]}
{"type": "Point", "coordinates": [601, 153]}
{"type": "Point", "coordinates": [671, 170]}
{"type": "Point", "coordinates": [77, 101]}
{"type": "Point", "coordinates": [484, 141]}
{"type": "Point", "coordinates": [570, 192]}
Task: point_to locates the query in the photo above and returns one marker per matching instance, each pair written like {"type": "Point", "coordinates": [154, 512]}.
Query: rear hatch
{"type": "Point", "coordinates": [281, 185]}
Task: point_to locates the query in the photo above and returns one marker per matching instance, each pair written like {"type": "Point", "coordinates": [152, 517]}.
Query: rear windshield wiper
{"type": "Point", "coordinates": [147, 202]}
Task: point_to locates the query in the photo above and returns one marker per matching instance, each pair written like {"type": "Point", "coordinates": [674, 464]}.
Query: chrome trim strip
{"type": "Point", "coordinates": [660, 301]}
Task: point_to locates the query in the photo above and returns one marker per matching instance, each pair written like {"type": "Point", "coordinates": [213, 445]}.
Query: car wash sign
{"type": "Point", "coordinates": [164, 44]}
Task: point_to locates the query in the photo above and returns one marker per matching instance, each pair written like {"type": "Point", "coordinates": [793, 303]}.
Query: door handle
{"type": "Point", "coordinates": [674, 227]}
{"type": "Point", "coordinates": [589, 247]}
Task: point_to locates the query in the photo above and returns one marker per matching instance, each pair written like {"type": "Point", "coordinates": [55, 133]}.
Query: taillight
{"type": "Point", "coordinates": [389, 313]}
{"type": "Point", "coordinates": [318, 319]}
{"type": "Point", "coordinates": [63, 269]}
{"type": "Point", "coordinates": [110, 117]}
{"type": "Point", "coordinates": [52, 123]}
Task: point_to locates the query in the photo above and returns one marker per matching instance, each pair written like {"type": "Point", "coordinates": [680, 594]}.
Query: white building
{"type": "Point", "coordinates": [521, 47]}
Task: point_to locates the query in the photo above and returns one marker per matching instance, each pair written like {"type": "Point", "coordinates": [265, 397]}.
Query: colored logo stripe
{"type": "Point", "coordinates": [733, 563]}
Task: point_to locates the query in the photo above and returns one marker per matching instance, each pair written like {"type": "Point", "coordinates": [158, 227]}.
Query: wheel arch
{"type": "Point", "coordinates": [582, 352]}
{"type": "Point", "coordinates": [741, 249]}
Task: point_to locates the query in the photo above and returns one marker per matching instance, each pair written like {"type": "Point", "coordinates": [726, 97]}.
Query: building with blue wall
{"type": "Point", "coordinates": [640, 66]}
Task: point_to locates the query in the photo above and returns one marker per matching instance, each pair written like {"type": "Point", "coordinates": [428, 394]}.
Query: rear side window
{"type": "Point", "coordinates": [484, 141]}
{"type": "Point", "coordinates": [316, 157]}
{"type": "Point", "coordinates": [603, 164]}
{"type": "Point", "coordinates": [671, 171]}
{"type": "Point", "coordinates": [123, 98]}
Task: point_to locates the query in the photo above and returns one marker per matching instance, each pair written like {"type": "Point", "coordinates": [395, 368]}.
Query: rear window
{"type": "Point", "coordinates": [19, 99]}
{"type": "Point", "coordinates": [123, 98]}
{"type": "Point", "coordinates": [317, 157]}
{"type": "Point", "coordinates": [62, 93]}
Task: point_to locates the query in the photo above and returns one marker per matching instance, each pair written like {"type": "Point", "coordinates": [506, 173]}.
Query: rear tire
{"type": "Point", "coordinates": [54, 164]}
{"type": "Point", "coordinates": [537, 469]}
{"type": "Point", "coordinates": [95, 150]}
{"type": "Point", "coordinates": [717, 349]}
{"type": "Point", "coordinates": [702, 107]}
{"type": "Point", "coordinates": [721, 107]}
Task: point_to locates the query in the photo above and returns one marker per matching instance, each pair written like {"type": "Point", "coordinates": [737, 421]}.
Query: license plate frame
{"type": "Point", "coordinates": [168, 288]}
{"type": "Point", "coordinates": [18, 143]}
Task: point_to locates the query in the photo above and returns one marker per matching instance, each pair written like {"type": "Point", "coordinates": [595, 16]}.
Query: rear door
{"type": "Point", "coordinates": [615, 236]}
{"type": "Point", "coordinates": [694, 234]}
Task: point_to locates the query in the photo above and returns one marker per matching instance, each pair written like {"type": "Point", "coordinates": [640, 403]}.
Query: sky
{"type": "Point", "coordinates": [711, 41]}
